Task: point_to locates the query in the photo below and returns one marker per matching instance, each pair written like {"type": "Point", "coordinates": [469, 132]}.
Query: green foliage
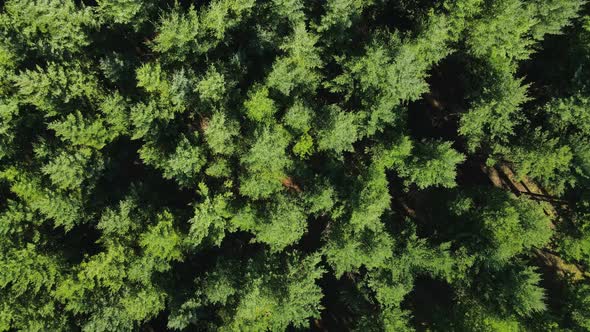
{"type": "Point", "coordinates": [478, 318]}
{"type": "Point", "coordinates": [494, 115]}
{"type": "Point", "coordinates": [51, 27]}
{"type": "Point", "coordinates": [299, 117]}
{"type": "Point", "coordinates": [392, 72]}
{"type": "Point", "coordinates": [121, 222]}
{"type": "Point", "coordinates": [261, 309]}
{"type": "Point", "coordinates": [113, 288]}
{"type": "Point", "coordinates": [498, 219]}
{"type": "Point", "coordinates": [503, 31]}
{"type": "Point", "coordinates": [242, 165]}
{"type": "Point", "coordinates": [265, 293]}
{"type": "Point", "coordinates": [433, 164]}
{"type": "Point", "coordinates": [553, 15]}
{"type": "Point", "coordinates": [123, 11]}
{"type": "Point", "coordinates": [304, 146]}
{"type": "Point", "coordinates": [183, 164]}
{"type": "Point", "coordinates": [259, 107]}
{"type": "Point", "coordinates": [299, 67]}
{"type": "Point", "coordinates": [161, 242]}
{"type": "Point", "coordinates": [177, 33]}
{"type": "Point", "coordinates": [69, 169]}
{"type": "Point", "coordinates": [544, 160]}
{"type": "Point", "coordinates": [218, 169]}
{"type": "Point", "coordinates": [221, 134]}
{"type": "Point", "coordinates": [569, 115]}
{"type": "Point", "coordinates": [347, 250]}
{"type": "Point", "coordinates": [170, 88]}
{"type": "Point", "coordinates": [266, 164]}
{"type": "Point", "coordinates": [211, 219]}
{"type": "Point", "coordinates": [212, 87]}
{"type": "Point", "coordinates": [527, 296]}
{"type": "Point", "coordinates": [340, 132]}
{"type": "Point", "coordinates": [340, 13]}
{"type": "Point", "coordinates": [580, 314]}
{"type": "Point", "coordinates": [8, 113]}
{"type": "Point", "coordinates": [573, 242]}
{"type": "Point", "coordinates": [57, 88]}
{"type": "Point", "coordinates": [63, 208]}
{"type": "Point", "coordinates": [281, 224]}
{"type": "Point", "coordinates": [81, 131]}
{"type": "Point", "coordinates": [181, 34]}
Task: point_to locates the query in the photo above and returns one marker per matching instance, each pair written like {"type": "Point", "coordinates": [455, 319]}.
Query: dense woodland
{"type": "Point", "coordinates": [272, 165]}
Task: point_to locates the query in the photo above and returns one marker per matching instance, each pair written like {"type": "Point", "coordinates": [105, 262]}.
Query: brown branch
{"type": "Point", "coordinates": [290, 184]}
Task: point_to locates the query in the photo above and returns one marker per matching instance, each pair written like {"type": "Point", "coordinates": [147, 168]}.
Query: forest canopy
{"type": "Point", "coordinates": [301, 165]}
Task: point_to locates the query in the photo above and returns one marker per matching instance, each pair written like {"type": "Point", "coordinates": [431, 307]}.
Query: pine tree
{"type": "Point", "coordinates": [241, 165]}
